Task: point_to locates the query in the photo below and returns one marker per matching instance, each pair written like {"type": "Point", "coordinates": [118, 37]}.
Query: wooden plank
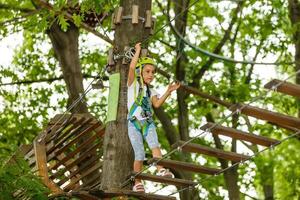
{"type": "Point", "coordinates": [267, 115]}
{"type": "Point", "coordinates": [129, 193]}
{"type": "Point", "coordinates": [55, 131]}
{"type": "Point", "coordinates": [110, 58]}
{"type": "Point", "coordinates": [79, 171]}
{"type": "Point", "coordinates": [86, 173]}
{"type": "Point", "coordinates": [72, 132]}
{"type": "Point", "coordinates": [148, 22]}
{"type": "Point", "coordinates": [197, 148]}
{"type": "Point", "coordinates": [118, 16]}
{"type": "Point", "coordinates": [76, 139]}
{"type": "Point", "coordinates": [135, 14]}
{"type": "Point", "coordinates": [174, 164]}
{"type": "Point", "coordinates": [85, 144]}
{"type": "Point", "coordinates": [241, 135]}
{"type": "Point", "coordinates": [41, 164]}
{"type": "Point", "coordinates": [284, 87]}
{"type": "Point", "coordinates": [161, 179]}
{"type": "Point", "coordinates": [58, 121]}
{"type": "Point", "coordinates": [76, 162]}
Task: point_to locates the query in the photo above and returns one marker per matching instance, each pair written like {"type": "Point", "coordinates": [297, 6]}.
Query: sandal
{"type": "Point", "coordinates": [165, 173]}
{"type": "Point", "coordinates": [139, 187]}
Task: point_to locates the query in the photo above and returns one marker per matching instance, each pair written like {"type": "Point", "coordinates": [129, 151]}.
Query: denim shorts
{"type": "Point", "coordinates": [136, 139]}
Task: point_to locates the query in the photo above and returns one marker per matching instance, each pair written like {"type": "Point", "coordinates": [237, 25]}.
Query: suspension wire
{"type": "Point", "coordinates": [217, 56]}
{"type": "Point", "coordinates": [74, 103]}
{"type": "Point", "coordinates": [242, 161]}
{"type": "Point", "coordinates": [237, 111]}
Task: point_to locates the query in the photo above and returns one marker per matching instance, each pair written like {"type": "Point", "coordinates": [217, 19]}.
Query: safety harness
{"type": "Point", "coordinates": [140, 100]}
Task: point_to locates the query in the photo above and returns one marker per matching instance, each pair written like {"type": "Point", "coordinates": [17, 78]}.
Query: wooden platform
{"type": "Point", "coordinates": [241, 135]}
{"type": "Point", "coordinates": [209, 151]}
{"type": "Point", "coordinates": [173, 164]}
{"type": "Point", "coordinates": [284, 87]}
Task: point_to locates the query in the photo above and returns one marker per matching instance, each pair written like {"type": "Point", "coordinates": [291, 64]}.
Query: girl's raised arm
{"type": "Point", "coordinates": [133, 64]}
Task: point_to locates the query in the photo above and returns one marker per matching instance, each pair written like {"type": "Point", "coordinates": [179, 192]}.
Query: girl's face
{"type": "Point", "coordinates": [148, 73]}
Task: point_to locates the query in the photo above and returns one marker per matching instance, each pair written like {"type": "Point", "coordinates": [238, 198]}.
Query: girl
{"type": "Point", "coordinates": [139, 103]}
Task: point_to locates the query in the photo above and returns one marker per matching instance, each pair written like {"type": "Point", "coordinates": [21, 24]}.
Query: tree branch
{"type": "Point", "coordinates": [218, 48]}
{"type": "Point", "coordinates": [11, 7]}
{"type": "Point", "coordinates": [83, 25]}
{"type": "Point", "coordinates": [49, 80]}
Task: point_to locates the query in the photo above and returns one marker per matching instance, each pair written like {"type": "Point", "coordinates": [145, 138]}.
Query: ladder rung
{"type": "Point", "coordinates": [241, 135]}
{"type": "Point", "coordinates": [273, 117]}
{"type": "Point", "coordinates": [214, 152]}
{"type": "Point", "coordinates": [185, 166]}
{"type": "Point", "coordinates": [161, 179]}
{"type": "Point", "coordinates": [284, 87]}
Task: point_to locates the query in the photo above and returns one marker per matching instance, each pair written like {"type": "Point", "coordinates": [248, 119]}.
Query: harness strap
{"type": "Point", "coordinates": [143, 129]}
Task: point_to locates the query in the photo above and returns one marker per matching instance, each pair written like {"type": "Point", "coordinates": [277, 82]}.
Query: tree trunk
{"type": "Point", "coordinates": [118, 154]}
{"type": "Point", "coordinates": [65, 45]}
{"type": "Point", "coordinates": [294, 11]}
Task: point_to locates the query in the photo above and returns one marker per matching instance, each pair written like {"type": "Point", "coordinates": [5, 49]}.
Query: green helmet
{"type": "Point", "coordinates": [145, 60]}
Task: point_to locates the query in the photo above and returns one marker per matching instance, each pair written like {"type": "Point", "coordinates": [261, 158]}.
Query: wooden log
{"type": "Point", "coordinates": [284, 87]}
{"type": "Point", "coordinates": [218, 153]}
{"type": "Point", "coordinates": [240, 135]}
{"type": "Point", "coordinates": [41, 164]}
{"type": "Point", "coordinates": [273, 117]}
{"type": "Point", "coordinates": [135, 14]}
{"type": "Point", "coordinates": [161, 179]}
{"type": "Point", "coordinates": [173, 164]}
{"type": "Point", "coordinates": [148, 22]}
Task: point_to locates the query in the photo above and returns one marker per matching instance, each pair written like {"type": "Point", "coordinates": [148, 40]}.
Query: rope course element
{"type": "Point", "coordinates": [236, 111]}
{"type": "Point", "coordinates": [242, 161]}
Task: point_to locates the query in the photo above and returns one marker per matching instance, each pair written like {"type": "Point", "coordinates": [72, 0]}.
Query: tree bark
{"type": "Point", "coordinates": [118, 154]}
{"type": "Point", "coordinates": [294, 12]}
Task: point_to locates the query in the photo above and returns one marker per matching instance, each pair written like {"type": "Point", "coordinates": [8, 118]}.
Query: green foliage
{"type": "Point", "coordinates": [262, 27]}
{"type": "Point", "coordinates": [16, 180]}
